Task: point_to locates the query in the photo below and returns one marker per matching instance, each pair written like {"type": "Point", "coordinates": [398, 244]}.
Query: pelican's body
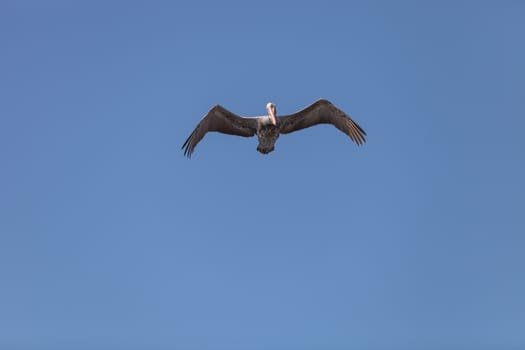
{"type": "Point", "coordinates": [269, 127]}
{"type": "Point", "coordinates": [267, 130]}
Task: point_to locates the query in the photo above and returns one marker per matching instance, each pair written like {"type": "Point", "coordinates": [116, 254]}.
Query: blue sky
{"type": "Point", "coordinates": [110, 238]}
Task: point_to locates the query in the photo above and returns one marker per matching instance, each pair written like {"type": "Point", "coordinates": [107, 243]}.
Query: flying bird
{"type": "Point", "coordinates": [269, 127]}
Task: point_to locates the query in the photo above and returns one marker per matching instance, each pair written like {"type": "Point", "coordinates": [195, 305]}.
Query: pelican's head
{"type": "Point", "coordinates": [270, 107]}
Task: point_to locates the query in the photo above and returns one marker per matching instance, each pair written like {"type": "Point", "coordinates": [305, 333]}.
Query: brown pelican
{"type": "Point", "coordinates": [269, 127]}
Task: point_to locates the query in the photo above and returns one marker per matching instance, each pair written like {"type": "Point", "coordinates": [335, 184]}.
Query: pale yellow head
{"type": "Point", "coordinates": [270, 107]}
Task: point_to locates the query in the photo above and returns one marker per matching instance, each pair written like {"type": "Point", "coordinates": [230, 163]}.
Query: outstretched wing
{"type": "Point", "coordinates": [219, 119]}
{"type": "Point", "coordinates": [322, 112]}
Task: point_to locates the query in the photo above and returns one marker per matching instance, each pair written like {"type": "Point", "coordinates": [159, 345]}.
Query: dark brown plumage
{"type": "Point", "coordinates": [268, 128]}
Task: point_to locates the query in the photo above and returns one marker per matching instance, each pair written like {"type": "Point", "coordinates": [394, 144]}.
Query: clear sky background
{"type": "Point", "coordinates": [111, 239]}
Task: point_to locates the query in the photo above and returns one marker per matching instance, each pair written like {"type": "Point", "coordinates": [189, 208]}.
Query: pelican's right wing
{"type": "Point", "coordinates": [221, 120]}
{"type": "Point", "coordinates": [322, 112]}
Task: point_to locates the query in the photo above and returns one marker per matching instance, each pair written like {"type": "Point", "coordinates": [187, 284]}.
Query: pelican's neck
{"type": "Point", "coordinates": [271, 116]}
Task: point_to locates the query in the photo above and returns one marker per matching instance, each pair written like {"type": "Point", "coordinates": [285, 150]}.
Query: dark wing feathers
{"type": "Point", "coordinates": [322, 112]}
{"type": "Point", "coordinates": [219, 119]}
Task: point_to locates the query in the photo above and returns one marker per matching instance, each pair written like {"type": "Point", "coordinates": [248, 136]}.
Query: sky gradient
{"type": "Point", "coordinates": [110, 238]}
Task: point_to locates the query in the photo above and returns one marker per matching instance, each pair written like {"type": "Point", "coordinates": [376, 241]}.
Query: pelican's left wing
{"type": "Point", "coordinates": [221, 120]}
{"type": "Point", "coordinates": [322, 112]}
